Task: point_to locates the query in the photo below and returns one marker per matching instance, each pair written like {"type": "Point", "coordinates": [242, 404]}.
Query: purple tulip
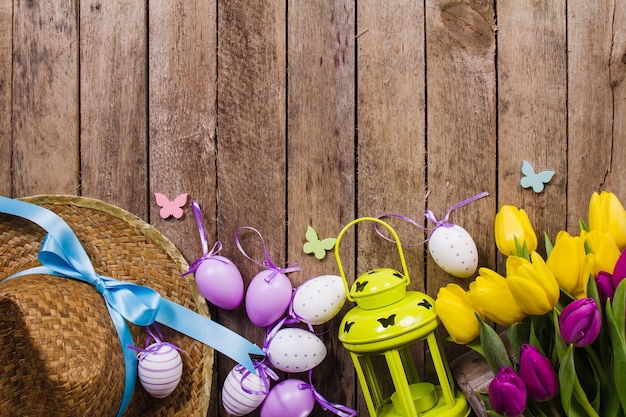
{"type": "Point", "coordinates": [604, 282]}
{"type": "Point", "coordinates": [580, 322]}
{"type": "Point", "coordinates": [619, 272]}
{"type": "Point", "coordinates": [507, 393]}
{"type": "Point", "coordinates": [537, 373]}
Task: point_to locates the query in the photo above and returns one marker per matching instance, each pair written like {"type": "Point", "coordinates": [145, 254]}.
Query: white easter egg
{"type": "Point", "coordinates": [236, 400]}
{"type": "Point", "coordinates": [295, 350]}
{"type": "Point", "coordinates": [159, 370]}
{"type": "Point", "coordinates": [319, 299]}
{"type": "Point", "coordinates": [454, 250]}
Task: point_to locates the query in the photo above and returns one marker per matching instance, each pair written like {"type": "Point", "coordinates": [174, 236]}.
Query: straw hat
{"type": "Point", "coordinates": [60, 354]}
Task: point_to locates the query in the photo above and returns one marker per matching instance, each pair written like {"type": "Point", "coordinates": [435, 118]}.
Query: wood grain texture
{"type": "Point", "coordinates": [182, 116]}
{"type": "Point", "coordinates": [6, 72]}
{"type": "Point", "coordinates": [113, 98]}
{"type": "Point", "coordinates": [532, 108]}
{"type": "Point", "coordinates": [590, 104]}
{"type": "Point", "coordinates": [283, 114]}
{"type": "Point", "coordinates": [615, 179]}
{"type": "Point", "coordinates": [321, 171]}
{"type": "Point", "coordinates": [252, 144]}
{"type": "Point", "coordinates": [461, 111]}
{"type": "Point", "coordinates": [45, 98]}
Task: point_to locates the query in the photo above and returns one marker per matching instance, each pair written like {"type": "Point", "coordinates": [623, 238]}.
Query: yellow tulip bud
{"type": "Point", "coordinates": [493, 299]}
{"type": "Point", "coordinates": [607, 214]}
{"type": "Point", "coordinates": [604, 249]}
{"type": "Point", "coordinates": [456, 312]}
{"type": "Point", "coordinates": [532, 284]}
{"type": "Point", "coordinates": [512, 223]}
{"type": "Point", "coordinates": [569, 264]}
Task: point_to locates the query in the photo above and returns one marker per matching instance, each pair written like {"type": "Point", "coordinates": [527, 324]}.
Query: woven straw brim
{"type": "Point", "coordinates": [60, 354]}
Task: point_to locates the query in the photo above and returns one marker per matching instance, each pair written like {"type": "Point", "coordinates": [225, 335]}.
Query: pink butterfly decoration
{"type": "Point", "coordinates": [171, 208]}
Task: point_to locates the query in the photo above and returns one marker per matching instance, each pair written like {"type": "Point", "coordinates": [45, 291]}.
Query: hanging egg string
{"type": "Point", "coordinates": [337, 409]}
{"type": "Point", "coordinates": [269, 292]}
{"type": "Point", "coordinates": [154, 333]}
{"type": "Point", "coordinates": [450, 246]}
{"type": "Point", "coordinates": [217, 277]}
{"type": "Point", "coordinates": [263, 371]}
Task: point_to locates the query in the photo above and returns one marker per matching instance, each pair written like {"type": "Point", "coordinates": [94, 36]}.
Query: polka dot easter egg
{"type": "Point", "coordinates": [454, 250]}
{"type": "Point", "coordinates": [295, 350]}
{"type": "Point", "coordinates": [242, 392]}
{"type": "Point", "coordinates": [160, 369]}
{"type": "Point", "coordinates": [319, 299]}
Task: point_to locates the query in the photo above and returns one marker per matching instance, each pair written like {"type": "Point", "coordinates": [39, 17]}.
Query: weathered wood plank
{"type": "Point", "coordinates": [113, 99]}
{"type": "Point", "coordinates": [391, 140]}
{"type": "Point", "coordinates": [532, 108]}
{"type": "Point", "coordinates": [616, 179]}
{"type": "Point", "coordinates": [321, 174]}
{"type": "Point", "coordinates": [251, 149]}
{"type": "Point", "coordinates": [590, 108]}
{"type": "Point", "coordinates": [182, 116]}
{"type": "Point", "coordinates": [44, 98]}
{"type": "Point", "coordinates": [6, 73]}
{"type": "Point", "coordinates": [461, 111]}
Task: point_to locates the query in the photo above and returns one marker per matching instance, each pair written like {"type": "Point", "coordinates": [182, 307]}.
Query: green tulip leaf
{"type": "Point", "coordinates": [573, 397]}
{"type": "Point", "coordinates": [619, 305]}
{"type": "Point", "coordinates": [548, 244]}
{"type": "Point", "coordinates": [582, 226]}
{"type": "Point", "coordinates": [522, 249]}
{"type": "Point", "coordinates": [493, 347]}
{"type": "Point", "coordinates": [518, 334]}
{"type": "Point", "coordinates": [619, 352]}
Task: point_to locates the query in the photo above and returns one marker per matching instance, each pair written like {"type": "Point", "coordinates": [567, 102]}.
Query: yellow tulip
{"type": "Point", "coordinates": [456, 312]}
{"type": "Point", "coordinates": [493, 299]}
{"type": "Point", "coordinates": [532, 284]}
{"type": "Point", "coordinates": [607, 214]}
{"type": "Point", "coordinates": [604, 249]}
{"type": "Point", "coordinates": [569, 264]}
{"type": "Point", "coordinates": [511, 223]}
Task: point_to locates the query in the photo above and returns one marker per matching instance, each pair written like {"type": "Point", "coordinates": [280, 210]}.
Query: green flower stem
{"type": "Point", "coordinates": [580, 395]}
{"type": "Point", "coordinates": [553, 409]}
{"type": "Point", "coordinates": [597, 364]}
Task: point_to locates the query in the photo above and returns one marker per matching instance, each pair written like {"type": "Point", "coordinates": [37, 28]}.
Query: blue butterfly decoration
{"type": "Point", "coordinates": [534, 180]}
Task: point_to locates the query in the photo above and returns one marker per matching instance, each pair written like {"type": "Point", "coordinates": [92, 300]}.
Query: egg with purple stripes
{"type": "Point", "coordinates": [242, 392]}
{"type": "Point", "coordinates": [160, 369]}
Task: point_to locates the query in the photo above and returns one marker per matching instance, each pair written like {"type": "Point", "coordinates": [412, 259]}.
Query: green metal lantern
{"type": "Point", "coordinates": [386, 321]}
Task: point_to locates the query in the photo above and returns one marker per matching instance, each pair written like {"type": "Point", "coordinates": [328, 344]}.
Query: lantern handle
{"type": "Point", "coordinates": [395, 237]}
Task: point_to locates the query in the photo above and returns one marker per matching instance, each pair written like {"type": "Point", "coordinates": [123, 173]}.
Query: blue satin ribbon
{"type": "Point", "coordinates": [63, 255]}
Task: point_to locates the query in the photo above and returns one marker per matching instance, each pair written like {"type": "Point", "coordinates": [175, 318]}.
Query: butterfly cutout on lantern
{"type": "Point", "coordinates": [316, 246]}
{"type": "Point", "coordinates": [171, 208]}
{"type": "Point", "coordinates": [534, 180]}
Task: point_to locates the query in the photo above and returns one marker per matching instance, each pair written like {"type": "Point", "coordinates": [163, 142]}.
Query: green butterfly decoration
{"type": "Point", "coordinates": [316, 246]}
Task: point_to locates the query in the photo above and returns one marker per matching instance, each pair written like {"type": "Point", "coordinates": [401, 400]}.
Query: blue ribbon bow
{"type": "Point", "coordinates": [62, 254]}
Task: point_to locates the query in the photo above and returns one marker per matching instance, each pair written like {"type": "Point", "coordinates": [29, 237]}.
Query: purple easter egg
{"type": "Point", "coordinates": [288, 399]}
{"type": "Point", "coordinates": [220, 282]}
{"type": "Point", "coordinates": [268, 297]}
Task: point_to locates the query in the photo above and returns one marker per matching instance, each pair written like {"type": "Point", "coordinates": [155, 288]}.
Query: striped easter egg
{"type": "Point", "coordinates": [242, 392]}
{"type": "Point", "coordinates": [160, 368]}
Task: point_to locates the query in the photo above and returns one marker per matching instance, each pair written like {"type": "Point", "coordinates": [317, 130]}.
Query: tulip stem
{"type": "Point", "coordinates": [596, 364]}
{"type": "Point", "coordinates": [555, 411]}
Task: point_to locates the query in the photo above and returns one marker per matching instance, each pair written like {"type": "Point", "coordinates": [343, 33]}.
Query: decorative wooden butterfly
{"type": "Point", "coordinates": [171, 208]}
{"type": "Point", "coordinates": [534, 180]}
{"type": "Point", "coordinates": [316, 246]}
{"type": "Point", "coordinates": [389, 321]}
